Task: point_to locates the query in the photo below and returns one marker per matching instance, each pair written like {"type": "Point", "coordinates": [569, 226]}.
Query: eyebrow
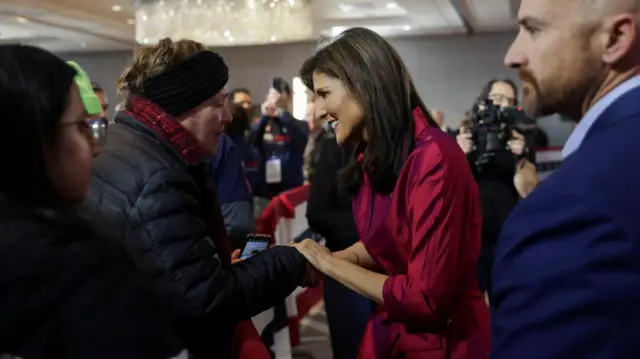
{"type": "Point", "coordinates": [528, 21]}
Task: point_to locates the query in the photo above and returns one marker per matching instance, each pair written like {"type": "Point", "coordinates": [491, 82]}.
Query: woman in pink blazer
{"type": "Point", "coordinates": [416, 206]}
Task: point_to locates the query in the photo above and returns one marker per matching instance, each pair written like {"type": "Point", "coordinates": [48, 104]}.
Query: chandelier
{"type": "Point", "coordinates": [224, 22]}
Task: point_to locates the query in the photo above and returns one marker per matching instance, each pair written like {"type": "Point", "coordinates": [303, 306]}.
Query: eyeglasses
{"type": "Point", "coordinates": [98, 127]}
{"type": "Point", "coordinates": [94, 128]}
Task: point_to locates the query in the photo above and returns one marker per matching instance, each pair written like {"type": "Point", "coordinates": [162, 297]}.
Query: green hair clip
{"type": "Point", "coordinates": [90, 100]}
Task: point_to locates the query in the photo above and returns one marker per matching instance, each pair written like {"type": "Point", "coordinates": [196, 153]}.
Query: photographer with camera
{"type": "Point", "coordinates": [501, 161]}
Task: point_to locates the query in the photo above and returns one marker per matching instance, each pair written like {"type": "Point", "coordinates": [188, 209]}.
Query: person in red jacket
{"type": "Point", "coordinates": [416, 206]}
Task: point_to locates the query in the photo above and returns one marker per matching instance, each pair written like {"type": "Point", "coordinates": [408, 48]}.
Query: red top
{"type": "Point", "coordinates": [426, 237]}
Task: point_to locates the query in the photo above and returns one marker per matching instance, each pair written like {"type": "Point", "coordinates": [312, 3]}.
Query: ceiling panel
{"type": "Point", "coordinates": [80, 25]}
{"type": "Point", "coordinates": [346, 10]}
{"type": "Point", "coordinates": [10, 32]}
{"type": "Point", "coordinates": [491, 14]}
{"type": "Point", "coordinates": [448, 12]}
{"type": "Point", "coordinates": [101, 8]}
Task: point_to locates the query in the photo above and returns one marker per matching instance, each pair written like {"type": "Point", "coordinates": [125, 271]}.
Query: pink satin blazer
{"type": "Point", "coordinates": [426, 237]}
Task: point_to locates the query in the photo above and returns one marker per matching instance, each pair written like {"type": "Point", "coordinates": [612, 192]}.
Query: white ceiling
{"type": "Point", "coordinates": [87, 26]}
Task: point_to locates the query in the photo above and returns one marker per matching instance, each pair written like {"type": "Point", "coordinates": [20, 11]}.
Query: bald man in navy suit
{"type": "Point", "coordinates": [567, 268]}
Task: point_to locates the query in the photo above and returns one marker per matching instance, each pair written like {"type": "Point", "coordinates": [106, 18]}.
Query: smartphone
{"type": "Point", "coordinates": [278, 84]}
{"type": "Point", "coordinates": [256, 243]}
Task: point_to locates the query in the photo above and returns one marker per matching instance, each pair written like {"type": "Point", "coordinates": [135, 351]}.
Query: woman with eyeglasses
{"type": "Point", "coordinates": [67, 290]}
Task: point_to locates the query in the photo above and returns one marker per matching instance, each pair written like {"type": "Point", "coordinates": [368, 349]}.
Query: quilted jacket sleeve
{"type": "Point", "coordinates": [174, 244]}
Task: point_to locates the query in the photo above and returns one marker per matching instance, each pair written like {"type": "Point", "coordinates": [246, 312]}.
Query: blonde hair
{"type": "Point", "coordinates": [151, 60]}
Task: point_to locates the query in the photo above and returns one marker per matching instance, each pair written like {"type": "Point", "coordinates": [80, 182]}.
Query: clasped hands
{"type": "Point", "coordinates": [318, 261]}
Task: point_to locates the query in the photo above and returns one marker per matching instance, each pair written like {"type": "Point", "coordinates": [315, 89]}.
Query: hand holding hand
{"type": "Point", "coordinates": [317, 255]}
{"type": "Point", "coordinates": [516, 143]}
{"type": "Point", "coordinates": [464, 140]}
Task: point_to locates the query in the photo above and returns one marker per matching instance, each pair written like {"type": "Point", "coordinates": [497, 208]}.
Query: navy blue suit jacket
{"type": "Point", "coordinates": [567, 269]}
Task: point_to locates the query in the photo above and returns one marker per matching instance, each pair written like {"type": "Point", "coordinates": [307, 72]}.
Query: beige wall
{"type": "Point", "coordinates": [448, 71]}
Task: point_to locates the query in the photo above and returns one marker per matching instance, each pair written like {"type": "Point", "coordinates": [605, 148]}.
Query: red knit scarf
{"type": "Point", "coordinates": [167, 127]}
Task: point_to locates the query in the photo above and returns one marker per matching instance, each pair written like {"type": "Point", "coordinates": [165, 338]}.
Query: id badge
{"type": "Point", "coordinates": [274, 171]}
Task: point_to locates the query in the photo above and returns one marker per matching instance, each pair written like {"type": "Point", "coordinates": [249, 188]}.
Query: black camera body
{"type": "Point", "coordinates": [491, 129]}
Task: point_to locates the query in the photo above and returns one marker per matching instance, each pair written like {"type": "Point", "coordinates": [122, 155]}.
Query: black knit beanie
{"type": "Point", "coordinates": [187, 85]}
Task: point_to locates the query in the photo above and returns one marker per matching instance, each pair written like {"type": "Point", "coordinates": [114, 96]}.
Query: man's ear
{"type": "Point", "coordinates": [620, 35]}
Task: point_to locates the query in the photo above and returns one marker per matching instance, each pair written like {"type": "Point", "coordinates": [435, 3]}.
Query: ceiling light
{"type": "Point", "coordinates": [273, 38]}
{"type": "Point", "coordinates": [406, 28]}
{"type": "Point", "coordinates": [247, 22]}
{"type": "Point", "coordinates": [346, 7]}
{"type": "Point", "coordinates": [116, 8]}
{"type": "Point", "coordinates": [392, 5]}
{"type": "Point", "coordinates": [131, 21]}
{"type": "Point", "coordinates": [22, 20]}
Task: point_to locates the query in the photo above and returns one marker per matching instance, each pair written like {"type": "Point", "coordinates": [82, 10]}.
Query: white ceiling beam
{"type": "Point", "coordinates": [490, 13]}
{"type": "Point", "coordinates": [362, 22]}
{"type": "Point", "coordinates": [421, 10]}
{"type": "Point", "coordinates": [459, 7]}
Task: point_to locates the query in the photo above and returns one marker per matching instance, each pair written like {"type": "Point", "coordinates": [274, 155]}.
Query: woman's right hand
{"type": "Point", "coordinates": [464, 140]}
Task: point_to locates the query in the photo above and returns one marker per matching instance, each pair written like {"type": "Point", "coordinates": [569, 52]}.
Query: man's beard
{"type": "Point", "coordinates": [564, 90]}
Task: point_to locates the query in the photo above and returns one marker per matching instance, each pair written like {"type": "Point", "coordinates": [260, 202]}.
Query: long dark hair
{"type": "Point", "coordinates": [377, 78]}
{"type": "Point", "coordinates": [34, 87]}
{"type": "Point", "coordinates": [486, 90]}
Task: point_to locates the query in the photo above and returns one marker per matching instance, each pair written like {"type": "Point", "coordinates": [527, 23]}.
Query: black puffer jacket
{"type": "Point", "coordinates": [163, 206]}
{"type": "Point", "coordinates": [65, 292]}
{"type": "Point", "coordinates": [329, 207]}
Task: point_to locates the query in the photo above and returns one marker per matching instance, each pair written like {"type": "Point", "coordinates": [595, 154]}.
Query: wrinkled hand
{"type": "Point", "coordinates": [317, 255]}
{"type": "Point", "coordinates": [464, 140]}
{"type": "Point", "coordinates": [516, 143]}
{"type": "Point", "coordinates": [317, 260]}
{"type": "Point", "coordinates": [235, 256]}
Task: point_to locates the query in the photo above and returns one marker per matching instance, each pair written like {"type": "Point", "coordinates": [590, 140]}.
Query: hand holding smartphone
{"type": "Point", "coordinates": [256, 243]}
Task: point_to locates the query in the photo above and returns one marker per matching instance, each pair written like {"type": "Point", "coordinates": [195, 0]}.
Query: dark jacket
{"type": "Point", "coordinates": [251, 163]}
{"type": "Point", "coordinates": [146, 186]}
{"type": "Point", "coordinates": [329, 205]}
{"type": "Point", "coordinates": [498, 194]}
{"type": "Point", "coordinates": [234, 193]}
{"type": "Point", "coordinates": [283, 139]}
{"type": "Point", "coordinates": [66, 292]}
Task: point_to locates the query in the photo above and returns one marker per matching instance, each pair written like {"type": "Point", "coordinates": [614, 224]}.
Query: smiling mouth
{"type": "Point", "coordinates": [333, 123]}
